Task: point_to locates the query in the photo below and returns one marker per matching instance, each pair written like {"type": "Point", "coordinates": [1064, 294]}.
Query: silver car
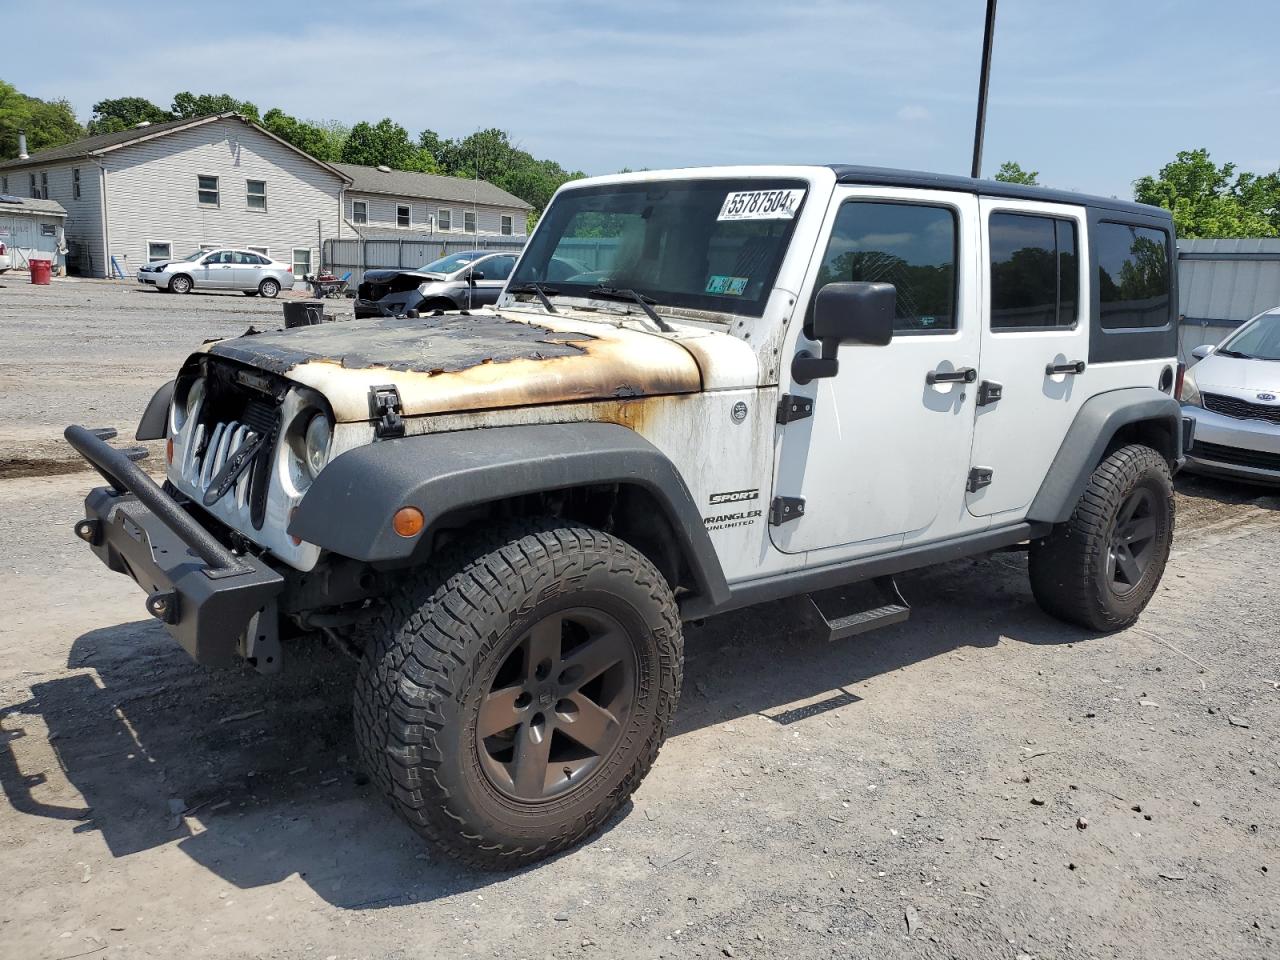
{"type": "Point", "coordinates": [223, 269]}
{"type": "Point", "coordinates": [1232, 398]}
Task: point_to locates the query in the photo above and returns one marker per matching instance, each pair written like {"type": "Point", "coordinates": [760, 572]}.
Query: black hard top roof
{"type": "Point", "coordinates": [885, 176]}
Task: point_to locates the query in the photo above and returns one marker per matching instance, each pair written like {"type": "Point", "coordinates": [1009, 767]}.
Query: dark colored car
{"type": "Point", "coordinates": [460, 281]}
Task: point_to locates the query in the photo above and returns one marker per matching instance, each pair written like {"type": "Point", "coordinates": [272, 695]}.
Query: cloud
{"type": "Point", "coordinates": [913, 113]}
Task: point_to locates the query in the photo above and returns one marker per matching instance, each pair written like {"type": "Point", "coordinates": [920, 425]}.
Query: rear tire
{"type": "Point", "coordinates": [269, 288]}
{"type": "Point", "coordinates": [541, 643]}
{"type": "Point", "coordinates": [180, 284]}
{"type": "Point", "coordinates": [1101, 567]}
{"type": "Point", "coordinates": [250, 293]}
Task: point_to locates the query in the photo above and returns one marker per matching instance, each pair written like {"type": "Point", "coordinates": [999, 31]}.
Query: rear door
{"type": "Point", "coordinates": [247, 270]}
{"type": "Point", "coordinates": [1035, 343]}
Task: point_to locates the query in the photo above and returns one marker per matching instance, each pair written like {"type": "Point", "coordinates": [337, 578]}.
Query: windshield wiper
{"type": "Point", "coordinates": [541, 291]}
{"type": "Point", "coordinates": [622, 293]}
{"type": "Point", "coordinates": [1236, 354]}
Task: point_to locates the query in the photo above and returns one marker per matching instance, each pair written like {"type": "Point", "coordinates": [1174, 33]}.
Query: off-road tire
{"type": "Point", "coordinates": [434, 650]}
{"type": "Point", "coordinates": [180, 284]}
{"type": "Point", "coordinates": [1069, 568]}
{"type": "Point", "coordinates": [269, 288]}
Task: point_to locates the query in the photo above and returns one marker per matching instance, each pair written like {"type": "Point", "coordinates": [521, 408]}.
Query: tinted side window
{"type": "Point", "coordinates": [499, 268]}
{"type": "Point", "coordinates": [1034, 272]}
{"type": "Point", "coordinates": [909, 245]}
{"type": "Point", "coordinates": [1133, 275]}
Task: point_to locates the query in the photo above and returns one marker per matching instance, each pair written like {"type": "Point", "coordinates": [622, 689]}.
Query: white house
{"type": "Point", "coordinates": [167, 189]}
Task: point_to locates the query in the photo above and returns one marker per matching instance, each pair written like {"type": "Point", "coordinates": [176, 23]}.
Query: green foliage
{"type": "Point", "coordinates": [490, 155]}
{"type": "Point", "coordinates": [1211, 201]}
{"type": "Point", "coordinates": [1011, 172]}
{"type": "Point", "coordinates": [386, 143]}
{"type": "Point", "coordinates": [324, 141]}
{"type": "Point", "coordinates": [124, 113]}
{"type": "Point", "coordinates": [188, 105]}
{"type": "Point", "coordinates": [47, 123]}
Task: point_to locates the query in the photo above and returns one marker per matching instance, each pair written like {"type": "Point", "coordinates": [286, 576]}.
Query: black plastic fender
{"type": "Point", "coordinates": [350, 505]}
{"type": "Point", "coordinates": [155, 419]}
{"type": "Point", "coordinates": [1096, 423]}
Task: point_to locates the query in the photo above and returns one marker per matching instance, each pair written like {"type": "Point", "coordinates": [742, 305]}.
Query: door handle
{"type": "Point", "coordinates": [1076, 366]}
{"type": "Point", "coordinates": [963, 375]}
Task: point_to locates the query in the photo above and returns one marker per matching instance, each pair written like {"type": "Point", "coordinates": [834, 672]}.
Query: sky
{"type": "Point", "coordinates": [1091, 93]}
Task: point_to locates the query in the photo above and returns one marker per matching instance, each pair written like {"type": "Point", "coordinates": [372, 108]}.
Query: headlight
{"type": "Point", "coordinates": [316, 446]}
{"type": "Point", "coordinates": [1190, 392]}
{"type": "Point", "coordinates": [189, 407]}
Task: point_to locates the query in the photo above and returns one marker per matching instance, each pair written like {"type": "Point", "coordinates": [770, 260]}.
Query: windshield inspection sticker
{"type": "Point", "coordinates": [761, 205]}
{"type": "Point", "coordinates": [727, 286]}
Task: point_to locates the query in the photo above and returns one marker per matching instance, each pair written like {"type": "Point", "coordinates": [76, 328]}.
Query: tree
{"type": "Point", "coordinates": [47, 123]}
{"type": "Point", "coordinates": [124, 113]}
{"type": "Point", "coordinates": [490, 155]}
{"type": "Point", "coordinates": [321, 141]}
{"type": "Point", "coordinates": [1211, 201]}
{"type": "Point", "coordinates": [1011, 172]}
{"type": "Point", "coordinates": [187, 105]}
{"type": "Point", "coordinates": [385, 143]}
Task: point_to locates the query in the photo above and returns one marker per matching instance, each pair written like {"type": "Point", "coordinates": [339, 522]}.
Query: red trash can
{"type": "Point", "coordinates": [41, 271]}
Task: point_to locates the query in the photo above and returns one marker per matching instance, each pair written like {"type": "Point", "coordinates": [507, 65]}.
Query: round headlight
{"type": "Point", "coordinates": [316, 445]}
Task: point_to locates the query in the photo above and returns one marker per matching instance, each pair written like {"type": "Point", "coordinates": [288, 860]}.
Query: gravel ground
{"type": "Point", "coordinates": [979, 782]}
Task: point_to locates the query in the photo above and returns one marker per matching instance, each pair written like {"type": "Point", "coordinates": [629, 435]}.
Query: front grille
{"type": "Point", "coordinates": [1241, 409]}
{"type": "Point", "coordinates": [215, 440]}
{"type": "Point", "coordinates": [1236, 456]}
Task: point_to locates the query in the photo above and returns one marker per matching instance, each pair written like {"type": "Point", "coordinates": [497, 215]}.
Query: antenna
{"type": "Point", "coordinates": [475, 214]}
{"type": "Point", "coordinates": [984, 80]}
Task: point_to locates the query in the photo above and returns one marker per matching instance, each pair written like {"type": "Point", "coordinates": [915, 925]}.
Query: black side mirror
{"type": "Point", "coordinates": [474, 275]}
{"type": "Point", "coordinates": [860, 313]}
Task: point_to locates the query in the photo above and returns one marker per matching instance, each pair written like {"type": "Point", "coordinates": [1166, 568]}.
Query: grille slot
{"type": "Point", "coordinates": [1241, 409]}
{"type": "Point", "coordinates": [214, 441]}
{"type": "Point", "coordinates": [1237, 456]}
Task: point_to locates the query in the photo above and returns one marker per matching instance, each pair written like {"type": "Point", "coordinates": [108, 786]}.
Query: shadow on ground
{"type": "Point", "coordinates": [265, 768]}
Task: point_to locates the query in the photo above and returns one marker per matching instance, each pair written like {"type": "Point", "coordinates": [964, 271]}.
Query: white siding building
{"type": "Point", "coordinates": [167, 189]}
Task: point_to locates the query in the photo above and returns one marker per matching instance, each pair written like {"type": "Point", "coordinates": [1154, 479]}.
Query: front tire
{"type": "Point", "coordinates": [180, 284]}
{"type": "Point", "coordinates": [512, 698]}
{"type": "Point", "coordinates": [250, 293]}
{"type": "Point", "coordinates": [1101, 567]}
{"type": "Point", "coordinates": [269, 288]}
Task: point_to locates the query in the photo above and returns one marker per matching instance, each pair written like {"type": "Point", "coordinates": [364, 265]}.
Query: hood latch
{"type": "Point", "coordinates": [385, 407]}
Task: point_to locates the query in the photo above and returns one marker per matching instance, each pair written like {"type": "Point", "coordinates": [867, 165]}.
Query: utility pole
{"type": "Point", "coordinates": [984, 80]}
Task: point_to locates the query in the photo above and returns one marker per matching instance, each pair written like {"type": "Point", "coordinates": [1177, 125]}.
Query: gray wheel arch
{"type": "Point", "coordinates": [1133, 414]}
{"type": "Point", "coordinates": [444, 474]}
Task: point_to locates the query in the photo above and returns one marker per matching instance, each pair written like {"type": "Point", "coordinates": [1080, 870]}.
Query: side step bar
{"type": "Point", "coordinates": [858, 607]}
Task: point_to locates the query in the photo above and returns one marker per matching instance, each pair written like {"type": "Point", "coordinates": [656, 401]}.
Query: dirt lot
{"type": "Point", "coordinates": [980, 782]}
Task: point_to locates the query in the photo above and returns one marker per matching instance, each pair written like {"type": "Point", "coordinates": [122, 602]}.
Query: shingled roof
{"type": "Point", "coordinates": [427, 186]}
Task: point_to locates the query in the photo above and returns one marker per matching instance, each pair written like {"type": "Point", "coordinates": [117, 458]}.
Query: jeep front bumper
{"type": "Point", "coordinates": [216, 604]}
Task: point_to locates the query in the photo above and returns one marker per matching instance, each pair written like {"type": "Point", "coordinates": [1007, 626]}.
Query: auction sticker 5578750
{"type": "Point", "coordinates": [761, 205]}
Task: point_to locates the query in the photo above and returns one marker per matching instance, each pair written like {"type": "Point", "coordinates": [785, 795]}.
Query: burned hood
{"type": "Point", "coordinates": [459, 362]}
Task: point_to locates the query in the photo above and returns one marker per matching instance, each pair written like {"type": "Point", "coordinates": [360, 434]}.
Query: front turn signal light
{"type": "Point", "coordinates": [408, 521]}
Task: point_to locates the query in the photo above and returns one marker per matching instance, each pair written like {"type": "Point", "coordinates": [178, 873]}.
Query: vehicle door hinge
{"type": "Point", "coordinates": [979, 477]}
{"type": "Point", "coordinates": [385, 406]}
{"type": "Point", "coordinates": [785, 509]}
{"type": "Point", "coordinates": [989, 392]}
{"type": "Point", "coordinates": [791, 408]}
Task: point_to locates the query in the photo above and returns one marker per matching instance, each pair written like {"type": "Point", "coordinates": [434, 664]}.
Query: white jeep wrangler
{"type": "Point", "coordinates": [701, 389]}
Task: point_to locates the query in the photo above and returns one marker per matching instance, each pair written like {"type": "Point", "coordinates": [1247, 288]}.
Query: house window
{"type": "Point", "coordinates": [1034, 276]}
{"type": "Point", "coordinates": [508, 226]}
{"type": "Point", "coordinates": [207, 189]}
{"type": "Point", "coordinates": [912, 246]}
{"type": "Point", "coordinates": [404, 216]}
{"type": "Point", "coordinates": [158, 251]}
{"type": "Point", "coordinates": [75, 183]}
{"type": "Point", "coordinates": [44, 185]}
{"type": "Point", "coordinates": [48, 230]}
{"type": "Point", "coordinates": [359, 211]}
{"type": "Point", "coordinates": [4, 184]}
{"type": "Point", "coordinates": [206, 247]}
{"type": "Point", "coordinates": [265, 251]}
{"type": "Point", "coordinates": [444, 219]}
{"type": "Point", "coordinates": [256, 194]}
{"type": "Point", "coordinates": [468, 221]}
{"type": "Point", "coordinates": [35, 190]}
{"type": "Point", "coordinates": [301, 261]}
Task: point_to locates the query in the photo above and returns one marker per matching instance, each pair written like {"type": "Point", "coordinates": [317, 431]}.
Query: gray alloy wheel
{"type": "Point", "coordinates": [269, 288]}
{"type": "Point", "coordinates": [180, 284]}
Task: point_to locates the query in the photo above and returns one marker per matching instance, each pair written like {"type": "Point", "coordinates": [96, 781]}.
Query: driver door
{"type": "Point", "coordinates": [217, 272]}
{"type": "Point", "coordinates": [495, 270]}
{"type": "Point", "coordinates": [883, 459]}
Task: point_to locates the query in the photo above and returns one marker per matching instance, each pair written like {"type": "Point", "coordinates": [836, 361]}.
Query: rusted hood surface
{"type": "Point", "coordinates": [456, 362]}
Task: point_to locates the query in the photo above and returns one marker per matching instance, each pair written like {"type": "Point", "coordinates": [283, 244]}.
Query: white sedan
{"type": "Point", "coordinates": [226, 269]}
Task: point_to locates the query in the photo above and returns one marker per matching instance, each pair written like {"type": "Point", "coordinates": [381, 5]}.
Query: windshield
{"type": "Point", "coordinates": [702, 244]}
{"type": "Point", "coordinates": [451, 263]}
{"type": "Point", "coordinates": [1259, 340]}
{"type": "Point", "coordinates": [193, 257]}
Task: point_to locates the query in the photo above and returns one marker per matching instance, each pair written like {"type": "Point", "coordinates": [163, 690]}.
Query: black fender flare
{"type": "Point", "coordinates": [155, 419]}
{"type": "Point", "coordinates": [350, 505]}
{"type": "Point", "coordinates": [1095, 425]}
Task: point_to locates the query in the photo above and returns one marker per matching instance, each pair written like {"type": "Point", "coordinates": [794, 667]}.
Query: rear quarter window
{"type": "Point", "coordinates": [1133, 276]}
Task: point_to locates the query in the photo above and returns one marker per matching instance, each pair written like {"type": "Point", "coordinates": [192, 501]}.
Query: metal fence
{"type": "Point", "coordinates": [358, 255]}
